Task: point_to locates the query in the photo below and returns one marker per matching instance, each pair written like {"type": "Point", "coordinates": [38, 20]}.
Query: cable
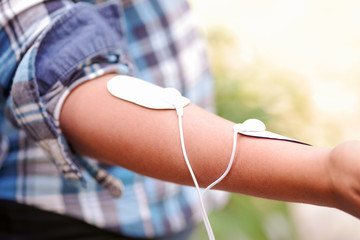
{"type": "Point", "coordinates": [179, 111]}
{"type": "Point", "coordinates": [210, 233]}
{"type": "Point", "coordinates": [228, 167]}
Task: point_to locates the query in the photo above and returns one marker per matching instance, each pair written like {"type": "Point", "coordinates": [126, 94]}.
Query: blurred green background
{"type": "Point", "coordinates": [294, 65]}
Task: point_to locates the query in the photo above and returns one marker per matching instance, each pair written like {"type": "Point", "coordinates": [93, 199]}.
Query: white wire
{"type": "Point", "coordinates": [203, 210]}
{"type": "Point", "coordinates": [228, 167]}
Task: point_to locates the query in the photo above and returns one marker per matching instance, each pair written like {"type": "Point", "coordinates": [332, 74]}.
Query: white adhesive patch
{"type": "Point", "coordinates": [145, 94]}
{"type": "Point", "coordinates": [256, 128]}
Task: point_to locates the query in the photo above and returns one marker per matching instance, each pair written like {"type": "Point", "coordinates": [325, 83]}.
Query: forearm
{"type": "Point", "coordinates": [147, 141]}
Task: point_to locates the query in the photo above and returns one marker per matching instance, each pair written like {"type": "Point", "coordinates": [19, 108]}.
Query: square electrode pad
{"type": "Point", "coordinates": [145, 94]}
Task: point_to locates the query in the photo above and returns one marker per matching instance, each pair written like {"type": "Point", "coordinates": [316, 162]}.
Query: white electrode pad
{"type": "Point", "coordinates": [154, 97]}
{"type": "Point", "coordinates": [256, 128]}
{"type": "Point", "coordinates": [145, 94]}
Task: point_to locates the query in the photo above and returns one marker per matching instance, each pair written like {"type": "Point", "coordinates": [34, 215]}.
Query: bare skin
{"type": "Point", "coordinates": [147, 141]}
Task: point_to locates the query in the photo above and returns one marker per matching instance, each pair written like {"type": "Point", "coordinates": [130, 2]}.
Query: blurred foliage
{"type": "Point", "coordinates": [257, 89]}
{"type": "Point", "coordinates": [249, 218]}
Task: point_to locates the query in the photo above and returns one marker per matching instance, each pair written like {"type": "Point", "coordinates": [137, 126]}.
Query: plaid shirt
{"type": "Point", "coordinates": [47, 48]}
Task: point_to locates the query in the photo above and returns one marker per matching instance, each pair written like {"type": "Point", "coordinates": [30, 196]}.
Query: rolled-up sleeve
{"type": "Point", "coordinates": [84, 42]}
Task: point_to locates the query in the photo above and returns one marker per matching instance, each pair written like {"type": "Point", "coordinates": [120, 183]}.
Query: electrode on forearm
{"type": "Point", "coordinates": [154, 97]}
{"type": "Point", "coordinates": [252, 128]}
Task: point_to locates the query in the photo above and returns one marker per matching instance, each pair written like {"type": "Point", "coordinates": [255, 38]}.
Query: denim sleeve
{"type": "Point", "coordinates": [83, 43]}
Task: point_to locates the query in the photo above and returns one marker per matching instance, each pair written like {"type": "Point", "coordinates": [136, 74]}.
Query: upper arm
{"type": "Point", "coordinates": [115, 131]}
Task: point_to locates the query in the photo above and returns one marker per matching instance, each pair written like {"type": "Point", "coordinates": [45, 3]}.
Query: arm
{"type": "Point", "coordinates": [147, 141]}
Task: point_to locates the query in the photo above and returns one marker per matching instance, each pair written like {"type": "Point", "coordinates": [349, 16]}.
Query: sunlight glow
{"type": "Point", "coordinates": [319, 40]}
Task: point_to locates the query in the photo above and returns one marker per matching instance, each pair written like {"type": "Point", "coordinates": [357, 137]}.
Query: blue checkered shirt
{"type": "Point", "coordinates": [47, 48]}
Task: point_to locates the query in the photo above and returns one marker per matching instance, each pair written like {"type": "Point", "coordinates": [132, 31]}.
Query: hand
{"type": "Point", "coordinates": [344, 170]}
